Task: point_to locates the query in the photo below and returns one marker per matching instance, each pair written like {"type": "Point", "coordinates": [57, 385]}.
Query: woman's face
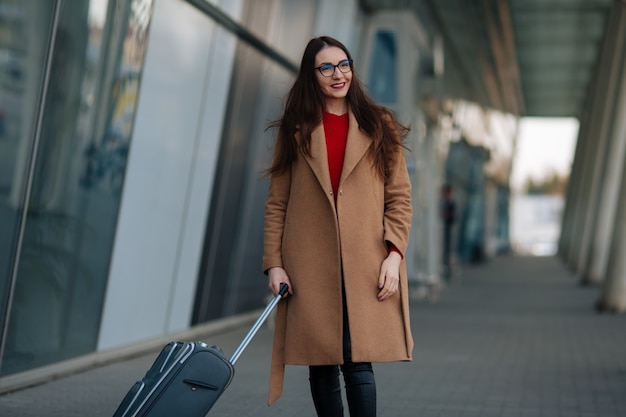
{"type": "Point", "coordinates": [335, 85]}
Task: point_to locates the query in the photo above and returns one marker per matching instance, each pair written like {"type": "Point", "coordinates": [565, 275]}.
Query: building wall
{"type": "Point", "coordinates": [169, 178]}
{"type": "Point", "coordinates": [70, 103]}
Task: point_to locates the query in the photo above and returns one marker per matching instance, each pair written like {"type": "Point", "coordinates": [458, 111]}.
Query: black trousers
{"type": "Point", "coordinates": [358, 378]}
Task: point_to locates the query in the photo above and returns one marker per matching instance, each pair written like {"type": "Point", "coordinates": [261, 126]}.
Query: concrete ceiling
{"type": "Point", "coordinates": [525, 57]}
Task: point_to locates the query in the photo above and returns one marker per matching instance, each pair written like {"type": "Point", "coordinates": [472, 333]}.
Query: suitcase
{"type": "Point", "coordinates": [187, 378]}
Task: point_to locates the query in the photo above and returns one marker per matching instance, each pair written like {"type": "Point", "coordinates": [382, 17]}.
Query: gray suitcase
{"type": "Point", "coordinates": [187, 378]}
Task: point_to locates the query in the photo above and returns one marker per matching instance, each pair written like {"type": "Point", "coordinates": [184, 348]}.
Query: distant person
{"type": "Point", "coordinates": [448, 217]}
{"type": "Point", "coordinates": [337, 221]}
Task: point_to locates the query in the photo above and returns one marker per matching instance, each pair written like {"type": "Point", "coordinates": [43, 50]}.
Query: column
{"type": "Point", "coordinates": [595, 269]}
{"type": "Point", "coordinates": [603, 100]}
{"type": "Point", "coordinates": [613, 296]}
{"type": "Point", "coordinates": [573, 188]}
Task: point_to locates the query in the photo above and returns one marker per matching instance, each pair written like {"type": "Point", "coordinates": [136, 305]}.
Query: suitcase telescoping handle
{"type": "Point", "coordinates": [258, 323]}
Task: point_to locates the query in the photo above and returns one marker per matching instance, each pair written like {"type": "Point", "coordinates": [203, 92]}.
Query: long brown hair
{"type": "Point", "coordinates": [304, 109]}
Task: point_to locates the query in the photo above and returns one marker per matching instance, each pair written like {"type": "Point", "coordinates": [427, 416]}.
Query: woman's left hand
{"type": "Point", "coordinates": [389, 278]}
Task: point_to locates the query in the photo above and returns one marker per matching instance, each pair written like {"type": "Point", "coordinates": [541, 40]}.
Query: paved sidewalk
{"type": "Point", "coordinates": [515, 337]}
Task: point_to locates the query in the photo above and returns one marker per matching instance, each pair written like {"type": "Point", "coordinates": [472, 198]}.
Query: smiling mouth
{"type": "Point", "coordinates": [338, 85]}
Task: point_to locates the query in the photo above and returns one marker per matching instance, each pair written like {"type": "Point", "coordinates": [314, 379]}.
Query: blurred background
{"type": "Point", "coordinates": [541, 169]}
{"type": "Point", "coordinates": [133, 137]}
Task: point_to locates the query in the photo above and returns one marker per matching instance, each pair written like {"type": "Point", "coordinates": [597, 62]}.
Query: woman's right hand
{"type": "Point", "coordinates": [277, 276]}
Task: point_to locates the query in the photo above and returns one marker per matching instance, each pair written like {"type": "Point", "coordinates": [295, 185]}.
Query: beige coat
{"type": "Point", "coordinates": [312, 238]}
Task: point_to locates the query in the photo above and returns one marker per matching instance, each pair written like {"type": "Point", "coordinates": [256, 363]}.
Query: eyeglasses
{"type": "Point", "coordinates": [327, 70]}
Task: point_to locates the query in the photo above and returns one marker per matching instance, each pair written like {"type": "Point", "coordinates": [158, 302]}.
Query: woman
{"type": "Point", "coordinates": [337, 222]}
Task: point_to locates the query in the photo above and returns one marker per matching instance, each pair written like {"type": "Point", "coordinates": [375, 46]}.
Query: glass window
{"type": "Point", "coordinates": [78, 159]}
{"type": "Point", "coordinates": [383, 69]}
{"type": "Point", "coordinates": [24, 33]}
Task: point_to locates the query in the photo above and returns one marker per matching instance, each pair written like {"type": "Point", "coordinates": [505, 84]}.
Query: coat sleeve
{"type": "Point", "coordinates": [274, 221]}
{"type": "Point", "coordinates": [398, 208]}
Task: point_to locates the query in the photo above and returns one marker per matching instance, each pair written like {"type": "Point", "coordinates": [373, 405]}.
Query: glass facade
{"type": "Point", "coordinates": [67, 111]}
{"type": "Point", "coordinates": [22, 62]}
{"type": "Point", "coordinates": [235, 224]}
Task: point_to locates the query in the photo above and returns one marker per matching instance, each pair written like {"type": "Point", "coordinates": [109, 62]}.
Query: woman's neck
{"type": "Point", "coordinates": [338, 106]}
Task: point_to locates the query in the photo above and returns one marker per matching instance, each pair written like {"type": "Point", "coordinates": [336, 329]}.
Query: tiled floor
{"type": "Point", "coordinates": [514, 337]}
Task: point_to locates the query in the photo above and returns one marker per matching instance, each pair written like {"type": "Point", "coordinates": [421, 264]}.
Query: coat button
{"type": "Point", "coordinates": [331, 192]}
{"type": "Point", "coordinates": [340, 192]}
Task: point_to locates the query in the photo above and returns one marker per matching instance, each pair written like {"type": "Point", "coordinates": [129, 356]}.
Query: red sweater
{"type": "Point", "coordinates": [336, 132]}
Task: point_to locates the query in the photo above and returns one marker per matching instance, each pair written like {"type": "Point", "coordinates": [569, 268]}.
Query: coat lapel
{"type": "Point", "coordinates": [318, 160]}
{"type": "Point", "coordinates": [357, 146]}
